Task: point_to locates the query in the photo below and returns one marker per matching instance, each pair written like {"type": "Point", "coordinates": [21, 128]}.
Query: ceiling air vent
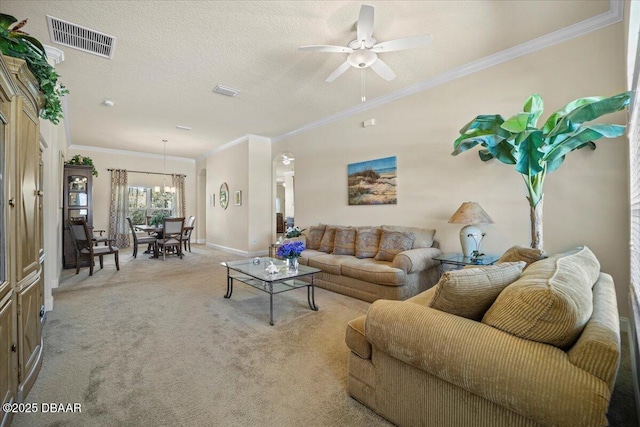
{"type": "Point", "coordinates": [224, 90]}
{"type": "Point", "coordinates": [81, 38]}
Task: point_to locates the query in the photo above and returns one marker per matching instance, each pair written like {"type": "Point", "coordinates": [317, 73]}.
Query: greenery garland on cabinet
{"type": "Point", "coordinates": [16, 43]}
{"type": "Point", "coordinates": [82, 161]}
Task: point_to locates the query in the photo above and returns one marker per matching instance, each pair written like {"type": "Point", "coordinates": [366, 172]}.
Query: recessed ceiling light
{"type": "Point", "coordinates": [108, 103]}
{"type": "Point", "coordinates": [225, 90]}
{"type": "Point", "coordinates": [183, 127]}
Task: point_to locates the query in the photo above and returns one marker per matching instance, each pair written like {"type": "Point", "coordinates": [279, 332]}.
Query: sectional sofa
{"type": "Point", "coordinates": [370, 263]}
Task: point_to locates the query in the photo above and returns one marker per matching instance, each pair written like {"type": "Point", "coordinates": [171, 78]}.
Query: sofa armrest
{"type": "Point", "coordinates": [527, 377]}
{"type": "Point", "coordinates": [415, 260]}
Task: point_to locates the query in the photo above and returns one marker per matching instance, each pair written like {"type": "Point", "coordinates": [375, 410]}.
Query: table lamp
{"type": "Point", "coordinates": [470, 213]}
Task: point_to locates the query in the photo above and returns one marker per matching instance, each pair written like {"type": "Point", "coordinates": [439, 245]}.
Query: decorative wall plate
{"type": "Point", "coordinates": [224, 195]}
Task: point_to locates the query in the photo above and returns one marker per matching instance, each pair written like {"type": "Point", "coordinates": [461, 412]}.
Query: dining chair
{"type": "Point", "coordinates": [86, 247]}
{"type": "Point", "coordinates": [149, 240]}
{"type": "Point", "coordinates": [172, 231]}
{"type": "Point", "coordinates": [186, 236]}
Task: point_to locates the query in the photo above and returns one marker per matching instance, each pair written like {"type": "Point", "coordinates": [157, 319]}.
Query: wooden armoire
{"type": "Point", "coordinates": [21, 236]}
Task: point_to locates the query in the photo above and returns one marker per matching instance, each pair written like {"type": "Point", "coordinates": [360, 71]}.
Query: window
{"type": "Point", "coordinates": [145, 201]}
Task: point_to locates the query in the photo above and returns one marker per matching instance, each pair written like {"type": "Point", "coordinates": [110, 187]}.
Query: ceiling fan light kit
{"type": "Point", "coordinates": [363, 51]}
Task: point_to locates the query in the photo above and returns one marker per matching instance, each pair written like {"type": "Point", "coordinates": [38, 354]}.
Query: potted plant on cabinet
{"type": "Point", "coordinates": [16, 43]}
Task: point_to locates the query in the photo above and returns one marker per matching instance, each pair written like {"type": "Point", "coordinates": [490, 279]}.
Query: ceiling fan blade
{"type": "Point", "coordinates": [365, 23]}
{"type": "Point", "coordinates": [383, 70]}
{"type": "Point", "coordinates": [400, 44]}
{"type": "Point", "coordinates": [338, 72]}
{"type": "Point", "coordinates": [326, 48]}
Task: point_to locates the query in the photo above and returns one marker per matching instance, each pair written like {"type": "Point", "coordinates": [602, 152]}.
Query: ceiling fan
{"type": "Point", "coordinates": [363, 52]}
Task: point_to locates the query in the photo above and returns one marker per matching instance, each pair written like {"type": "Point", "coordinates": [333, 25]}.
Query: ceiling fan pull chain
{"type": "Point", "coordinates": [363, 98]}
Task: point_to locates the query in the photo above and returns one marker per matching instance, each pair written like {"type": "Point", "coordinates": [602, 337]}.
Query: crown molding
{"type": "Point", "coordinates": [53, 53]}
{"type": "Point", "coordinates": [230, 144]}
{"type": "Point", "coordinates": [130, 153]}
{"type": "Point", "coordinates": [612, 16]}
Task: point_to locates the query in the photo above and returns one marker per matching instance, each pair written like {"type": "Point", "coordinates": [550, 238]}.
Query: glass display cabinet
{"type": "Point", "coordinates": [77, 193]}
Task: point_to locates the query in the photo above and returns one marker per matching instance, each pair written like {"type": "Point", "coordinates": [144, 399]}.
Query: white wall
{"type": "Point", "coordinates": [104, 160]}
{"type": "Point", "coordinates": [246, 167]}
{"type": "Point", "coordinates": [585, 200]}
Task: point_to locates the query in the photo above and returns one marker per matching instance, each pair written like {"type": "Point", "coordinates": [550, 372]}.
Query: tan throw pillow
{"type": "Point", "coordinates": [522, 253]}
{"type": "Point", "coordinates": [470, 292]}
{"type": "Point", "coordinates": [423, 237]}
{"type": "Point", "coordinates": [345, 241]}
{"type": "Point", "coordinates": [326, 244]}
{"type": "Point", "coordinates": [392, 243]}
{"type": "Point", "coordinates": [551, 302]}
{"type": "Point", "coordinates": [314, 237]}
{"type": "Point", "coordinates": [367, 241]}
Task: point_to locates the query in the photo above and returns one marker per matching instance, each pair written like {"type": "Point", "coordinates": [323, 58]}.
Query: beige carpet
{"type": "Point", "coordinates": [156, 344]}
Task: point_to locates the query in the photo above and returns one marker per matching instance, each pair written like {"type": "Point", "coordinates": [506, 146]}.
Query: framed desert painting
{"type": "Point", "coordinates": [373, 182]}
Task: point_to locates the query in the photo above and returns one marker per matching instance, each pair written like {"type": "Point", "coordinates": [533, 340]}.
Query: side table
{"type": "Point", "coordinates": [456, 260]}
{"type": "Point", "coordinates": [273, 250]}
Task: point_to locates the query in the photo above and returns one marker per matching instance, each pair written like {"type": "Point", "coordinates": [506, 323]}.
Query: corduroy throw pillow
{"type": "Point", "coordinates": [522, 253]}
{"type": "Point", "coordinates": [551, 302]}
{"type": "Point", "coordinates": [470, 292]}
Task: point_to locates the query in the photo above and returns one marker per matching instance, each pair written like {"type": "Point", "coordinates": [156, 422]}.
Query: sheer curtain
{"type": "Point", "coordinates": [177, 181]}
{"type": "Point", "coordinates": [119, 208]}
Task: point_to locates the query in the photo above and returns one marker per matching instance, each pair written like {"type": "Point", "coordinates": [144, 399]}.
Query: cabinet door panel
{"type": "Point", "coordinates": [8, 380]}
{"type": "Point", "coordinates": [28, 203]}
{"type": "Point", "coordinates": [29, 331]}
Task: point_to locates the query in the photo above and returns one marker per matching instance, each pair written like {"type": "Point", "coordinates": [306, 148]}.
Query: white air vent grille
{"type": "Point", "coordinates": [81, 38]}
{"type": "Point", "coordinates": [224, 90]}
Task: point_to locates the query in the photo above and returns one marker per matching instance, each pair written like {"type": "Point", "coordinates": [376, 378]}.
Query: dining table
{"type": "Point", "coordinates": [158, 230]}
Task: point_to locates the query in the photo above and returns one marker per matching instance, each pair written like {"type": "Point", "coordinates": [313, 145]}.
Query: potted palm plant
{"type": "Point", "coordinates": [538, 151]}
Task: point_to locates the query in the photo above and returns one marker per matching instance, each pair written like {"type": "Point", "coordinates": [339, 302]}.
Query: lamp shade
{"type": "Point", "coordinates": [470, 213]}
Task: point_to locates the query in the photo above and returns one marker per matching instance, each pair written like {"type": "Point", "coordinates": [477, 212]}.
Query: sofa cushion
{"type": "Point", "coordinates": [470, 292]}
{"type": "Point", "coordinates": [423, 237]}
{"type": "Point", "coordinates": [551, 302]}
{"type": "Point", "coordinates": [345, 241]}
{"type": "Point", "coordinates": [355, 338]}
{"type": "Point", "coordinates": [326, 244]}
{"type": "Point", "coordinates": [315, 236]}
{"type": "Point", "coordinates": [367, 241]}
{"type": "Point", "coordinates": [308, 254]}
{"type": "Point", "coordinates": [522, 253]}
{"type": "Point", "coordinates": [392, 243]}
{"type": "Point", "coordinates": [329, 263]}
{"type": "Point", "coordinates": [378, 272]}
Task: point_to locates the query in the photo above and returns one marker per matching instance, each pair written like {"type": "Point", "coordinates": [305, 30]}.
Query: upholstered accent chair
{"type": "Point", "coordinates": [86, 247]}
{"type": "Point", "coordinates": [495, 348]}
{"type": "Point", "coordinates": [172, 232]}
{"type": "Point", "coordinates": [150, 241]}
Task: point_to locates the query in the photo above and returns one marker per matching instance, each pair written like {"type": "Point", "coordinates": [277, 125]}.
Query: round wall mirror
{"type": "Point", "coordinates": [224, 195]}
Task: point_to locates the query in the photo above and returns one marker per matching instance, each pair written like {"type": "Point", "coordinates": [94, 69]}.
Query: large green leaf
{"type": "Point", "coordinates": [504, 151]}
{"type": "Point", "coordinates": [484, 122]}
{"type": "Point", "coordinates": [528, 153]}
{"type": "Point", "coordinates": [517, 123]}
{"type": "Point", "coordinates": [535, 106]}
{"type": "Point", "coordinates": [590, 111]}
{"type": "Point", "coordinates": [6, 20]}
{"type": "Point", "coordinates": [584, 136]}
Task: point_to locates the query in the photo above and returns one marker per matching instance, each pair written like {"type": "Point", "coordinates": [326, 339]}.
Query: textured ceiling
{"type": "Point", "coordinates": [169, 55]}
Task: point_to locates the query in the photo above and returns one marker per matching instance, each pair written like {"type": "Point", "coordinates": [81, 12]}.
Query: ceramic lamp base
{"type": "Point", "coordinates": [470, 238]}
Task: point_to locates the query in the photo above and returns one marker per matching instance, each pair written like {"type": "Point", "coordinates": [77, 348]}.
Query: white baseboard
{"type": "Point", "coordinates": [238, 251]}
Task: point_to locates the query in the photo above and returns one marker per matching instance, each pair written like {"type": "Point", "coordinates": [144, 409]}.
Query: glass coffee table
{"type": "Point", "coordinates": [458, 260]}
{"type": "Point", "coordinates": [253, 272]}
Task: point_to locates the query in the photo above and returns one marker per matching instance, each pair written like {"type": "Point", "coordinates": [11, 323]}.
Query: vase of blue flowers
{"type": "Point", "coordinates": [291, 251]}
